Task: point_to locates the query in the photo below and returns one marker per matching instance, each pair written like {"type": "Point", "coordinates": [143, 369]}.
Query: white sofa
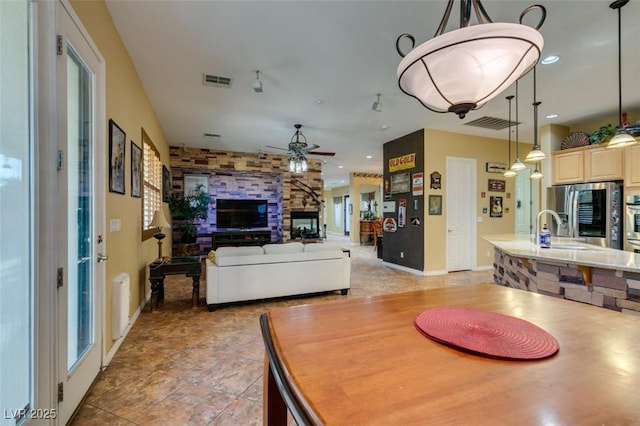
{"type": "Point", "coordinates": [275, 270]}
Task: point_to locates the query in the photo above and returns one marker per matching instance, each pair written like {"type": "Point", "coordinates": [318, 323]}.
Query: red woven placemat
{"type": "Point", "coordinates": [486, 333]}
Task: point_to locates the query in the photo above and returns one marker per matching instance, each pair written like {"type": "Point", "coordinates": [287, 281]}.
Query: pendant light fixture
{"type": "Point", "coordinates": [297, 159]}
{"type": "Point", "coordinates": [509, 172]}
{"type": "Point", "coordinates": [517, 165]}
{"type": "Point", "coordinates": [488, 57]}
{"type": "Point", "coordinates": [536, 153]}
{"type": "Point", "coordinates": [622, 138]}
{"type": "Point", "coordinates": [536, 175]}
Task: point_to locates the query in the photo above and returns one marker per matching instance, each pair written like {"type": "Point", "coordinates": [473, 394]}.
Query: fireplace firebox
{"type": "Point", "coordinates": [305, 225]}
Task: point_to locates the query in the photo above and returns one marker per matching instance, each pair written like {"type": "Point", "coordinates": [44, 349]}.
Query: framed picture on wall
{"type": "Point", "coordinates": [136, 169]}
{"type": "Point", "coordinates": [495, 209]}
{"type": "Point", "coordinates": [117, 146]}
{"type": "Point", "coordinates": [435, 205]}
{"type": "Point", "coordinates": [166, 184]}
{"type": "Point", "coordinates": [192, 182]}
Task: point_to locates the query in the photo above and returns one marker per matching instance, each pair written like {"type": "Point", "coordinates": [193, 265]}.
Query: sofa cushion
{"type": "Point", "coordinates": [295, 247]}
{"type": "Point", "coordinates": [278, 258]}
{"type": "Point", "coordinates": [238, 251]}
{"type": "Point", "coordinates": [315, 247]}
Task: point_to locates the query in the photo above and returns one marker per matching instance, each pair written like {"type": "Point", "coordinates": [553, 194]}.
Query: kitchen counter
{"type": "Point", "coordinates": [583, 254]}
{"type": "Point", "coordinates": [570, 269]}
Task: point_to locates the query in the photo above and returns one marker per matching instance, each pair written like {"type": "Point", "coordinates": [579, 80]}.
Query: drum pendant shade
{"type": "Point", "coordinates": [465, 68]}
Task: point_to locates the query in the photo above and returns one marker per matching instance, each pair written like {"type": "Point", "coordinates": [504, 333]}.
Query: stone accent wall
{"type": "Point", "coordinates": [606, 288]}
{"type": "Point", "coordinates": [241, 174]}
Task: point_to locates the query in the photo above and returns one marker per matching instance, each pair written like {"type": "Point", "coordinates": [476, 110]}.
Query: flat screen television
{"type": "Point", "coordinates": [241, 214]}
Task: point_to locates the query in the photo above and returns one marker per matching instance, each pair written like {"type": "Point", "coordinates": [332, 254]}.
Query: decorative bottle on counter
{"type": "Point", "coordinates": [545, 237]}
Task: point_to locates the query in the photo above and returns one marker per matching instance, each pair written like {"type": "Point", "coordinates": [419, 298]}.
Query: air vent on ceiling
{"type": "Point", "coordinates": [216, 80]}
{"type": "Point", "coordinates": [211, 135]}
{"type": "Point", "coordinates": [490, 123]}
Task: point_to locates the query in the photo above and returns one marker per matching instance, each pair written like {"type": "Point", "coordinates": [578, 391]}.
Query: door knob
{"type": "Point", "coordinates": [102, 257]}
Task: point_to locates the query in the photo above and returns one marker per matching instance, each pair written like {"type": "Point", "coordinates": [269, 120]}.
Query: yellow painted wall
{"type": "Point", "coordinates": [329, 208]}
{"type": "Point", "coordinates": [127, 104]}
{"type": "Point", "coordinates": [438, 146]}
{"type": "Point", "coordinates": [357, 186]}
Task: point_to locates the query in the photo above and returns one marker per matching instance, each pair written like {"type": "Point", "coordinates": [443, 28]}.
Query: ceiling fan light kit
{"type": "Point", "coordinates": [621, 138]}
{"type": "Point", "coordinates": [487, 59]}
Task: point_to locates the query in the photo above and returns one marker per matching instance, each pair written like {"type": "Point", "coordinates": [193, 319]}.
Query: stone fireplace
{"type": "Point", "coordinates": [305, 224]}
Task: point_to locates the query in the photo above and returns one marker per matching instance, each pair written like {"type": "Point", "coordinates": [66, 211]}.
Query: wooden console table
{"type": "Point", "coordinates": [188, 266]}
{"type": "Point", "coordinates": [361, 361]}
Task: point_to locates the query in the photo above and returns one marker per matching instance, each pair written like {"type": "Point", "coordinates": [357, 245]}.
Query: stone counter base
{"type": "Point", "coordinates": [606, 288]}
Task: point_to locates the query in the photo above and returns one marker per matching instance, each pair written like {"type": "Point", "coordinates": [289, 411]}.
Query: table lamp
{"type": "Point", "coordinates": [159, 222]}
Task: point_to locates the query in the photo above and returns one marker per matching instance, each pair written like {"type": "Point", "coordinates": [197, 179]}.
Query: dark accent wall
{"type": "Point", "coordinates": [409, 240]}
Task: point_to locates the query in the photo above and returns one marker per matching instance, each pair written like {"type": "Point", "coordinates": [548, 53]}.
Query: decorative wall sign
{"type": "Point", "coordinates": [417, 184]}
{"type": "Point", "coordinates": [402, 212]}
{"type": "Point", "coordinates": [495, 208]}
{"type": "Point", "coordinates": [415, 221]}
{"type": "Point", "coordinates": [407, 161]}
{"type": "Point", "coordinates": [436, 180]}
{"type": "Point", "coordinates": [389, 225]}
{"type": "Point", "coordinates": [435, 205]}
{"type": "Point", "coordinates": [387, 189]}
{"type": "Point", "coordinates": [400, 183]}
{"type": "Point", "coordinates": [496, 167]}
{"type": "Point", "coordinates": [496, 185]}
{"type": "Point", "coordinates": [389, 207]}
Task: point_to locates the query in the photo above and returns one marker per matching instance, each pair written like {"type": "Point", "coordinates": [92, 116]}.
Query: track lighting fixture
{"type": "Point", "coordinates": [377, 105]}
{"type": "Point", "coordinates": [257, 85]}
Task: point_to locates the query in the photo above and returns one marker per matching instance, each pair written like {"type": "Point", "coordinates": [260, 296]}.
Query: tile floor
{"type": "Point", "coordinates": [188, 366]}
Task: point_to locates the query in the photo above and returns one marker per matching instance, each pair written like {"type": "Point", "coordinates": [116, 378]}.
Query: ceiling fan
{"type": "Point", "coordinates": [298, 145]}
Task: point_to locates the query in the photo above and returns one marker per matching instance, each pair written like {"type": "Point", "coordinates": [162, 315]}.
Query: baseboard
{"type": "Point", "coordinates": [483, 268]}
{"type": "Point", "coordinates": [109, 355]}
{"type": "Point", "coordinates": [436, 272]}
{"type": "Point", "coordinates": [404, 268]}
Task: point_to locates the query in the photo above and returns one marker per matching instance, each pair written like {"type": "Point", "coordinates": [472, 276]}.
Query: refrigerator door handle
{"type": "Point", "coordinates": [574, 231]}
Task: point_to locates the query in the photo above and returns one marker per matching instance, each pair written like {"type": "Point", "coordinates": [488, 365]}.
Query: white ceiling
{"type": "Point", "coordinates": [322, 62]}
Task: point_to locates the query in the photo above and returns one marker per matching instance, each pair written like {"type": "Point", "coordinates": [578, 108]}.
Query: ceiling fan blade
{"type": "Point", "coordinates": [310, 147]}
{"type": "Point", "coordinates": [331, 154]}
{"type": "Point", "coordinates": [277, 147]}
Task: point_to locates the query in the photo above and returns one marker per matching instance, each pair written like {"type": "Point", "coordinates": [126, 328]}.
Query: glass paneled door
{"type": "Point", "coordinates": [81, 153]}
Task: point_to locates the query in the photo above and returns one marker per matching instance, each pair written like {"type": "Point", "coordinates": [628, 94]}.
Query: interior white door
{"type": "Point", "coordinates": [460, 213]}
{"type": "Point", "coordinates": [526, 202]}
{"type": "Point", "coordinates": [347, 215]}
{"type": "Point", "coordinates": [81, 202]}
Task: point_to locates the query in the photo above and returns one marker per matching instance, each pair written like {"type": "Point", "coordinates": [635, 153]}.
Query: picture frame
{"type": "Point", "coordinates": [495, 207]}
{"type": "Point", "coordinates": [496, 185]}
{"type": "Point", "coordinates": [136, 170]}
{"type": "Point", "coordinates": [117, 151]}
{"type": "Point", "coordinates": [191, 182]}
{"type": "Point", "coordinates": [435, 205]}
{"type": "Point", "coordinates": [166, 184]}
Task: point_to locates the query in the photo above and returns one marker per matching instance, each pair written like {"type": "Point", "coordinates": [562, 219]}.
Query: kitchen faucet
{"type": "Point", "coordinates": [555, 216]}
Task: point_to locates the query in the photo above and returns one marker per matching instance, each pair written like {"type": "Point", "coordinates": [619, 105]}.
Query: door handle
{"type": "Point", "coordinates": [102, 257]}
{"type": "Point", "coordinates": [449, 230]}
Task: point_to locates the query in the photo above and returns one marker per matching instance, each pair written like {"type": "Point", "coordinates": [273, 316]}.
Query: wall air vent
{"type": "Point", "coordinates": [490, 123]}
{"type": "Point", "coordinates": [211, 135]}
{"type": "Point", "coordinates": [216, 80]}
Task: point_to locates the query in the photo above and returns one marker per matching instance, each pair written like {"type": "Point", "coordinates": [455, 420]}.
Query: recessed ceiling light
{"type": "Point", "coordinates": [319, 101]}
{"type": "Point", "coordinates": [551, 116]}
{"type": "Point", "coordinates": [550, 60]}
{"type": "Point", "coordinates": [341, 167]}
{"type": "Point", "coordinates": [369, 157]}
{"type": "Point", "coordinates": [384, 127]}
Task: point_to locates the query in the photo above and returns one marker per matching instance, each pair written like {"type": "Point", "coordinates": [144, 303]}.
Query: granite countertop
{"type": "Point", "coordinates": [575, 252]}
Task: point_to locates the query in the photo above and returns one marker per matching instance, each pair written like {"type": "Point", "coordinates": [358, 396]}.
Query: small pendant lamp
{"type": "Point", "coordinates": [536, 175]}
{"type": "Point", "coordinates": [536, 153]}
{"type": "Point", "coordinates": [622, 138]}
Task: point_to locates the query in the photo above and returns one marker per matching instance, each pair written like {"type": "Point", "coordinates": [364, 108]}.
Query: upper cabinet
{"type": "Point", "coordinates": [568, 166]}
{"type": "Point", "coordinates": [632, 166]}
{"type": "Point", "coordinates": [588, 164]}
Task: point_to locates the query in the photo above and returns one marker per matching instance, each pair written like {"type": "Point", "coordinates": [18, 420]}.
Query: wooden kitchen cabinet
{"type": "Point", "coordinates": [632, 166]}
{"type": "Point", "coordinates": [603, 164]}
{"type": "Point", "coordinates": [589, 164]}
{"type": "Point", "coordinates": [568, 166]}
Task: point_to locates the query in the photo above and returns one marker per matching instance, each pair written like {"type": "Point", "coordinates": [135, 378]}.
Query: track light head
{"type": "Point", "coordinates": [377, 105]}
{"type": "Point", "coordinates": [257, 85]}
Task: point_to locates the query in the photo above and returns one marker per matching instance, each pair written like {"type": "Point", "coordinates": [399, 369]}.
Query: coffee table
{"type": "Point", "coordinates": [188, 266]}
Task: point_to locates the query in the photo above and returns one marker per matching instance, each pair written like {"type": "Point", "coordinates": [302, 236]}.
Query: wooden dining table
{"type": "Point", "coordinates": [363, 362]}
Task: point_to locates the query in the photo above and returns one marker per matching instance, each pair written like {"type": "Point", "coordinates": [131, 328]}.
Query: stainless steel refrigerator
{"type": "Point", "coordinates": [589, 211]}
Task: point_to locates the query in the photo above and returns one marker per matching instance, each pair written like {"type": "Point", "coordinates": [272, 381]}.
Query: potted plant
{"type": "Point", "coordinates": [190, 208]}
{"type": "Point", "coordinates": [602, 135]}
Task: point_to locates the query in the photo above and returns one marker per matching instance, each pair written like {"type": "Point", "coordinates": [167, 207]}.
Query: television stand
{"type": "Point", "coordinates": [239, 238]}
